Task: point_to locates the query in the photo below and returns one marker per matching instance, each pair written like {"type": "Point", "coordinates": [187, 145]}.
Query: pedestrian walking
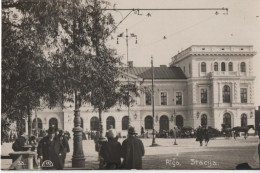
{"type": "Point", "coordinates": [206, 136]}
{"type": "Point", "coordinates": [50, 149]}
{"type": "Point", "coordinates": [111, 151]}
{"type": "Point", "coordinates": [200, 135]}
{"type": "Point", "coordinates": [132, 151]}
{"type": "Point", "coordinates": [142, 132]}
{"type": "Point", "coordinates": [65, 144]}
{"type": "Point", "coordinates": [96, 140]}
{"type": "Point", "coordinates": [87, 134]}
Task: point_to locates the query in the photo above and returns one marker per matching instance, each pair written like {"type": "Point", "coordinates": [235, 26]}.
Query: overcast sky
{"type": "Point", "coordinates": [185, 28]}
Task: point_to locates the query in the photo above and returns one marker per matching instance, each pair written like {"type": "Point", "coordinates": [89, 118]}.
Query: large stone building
{"type": "Point", "coordinates": [204, 85]}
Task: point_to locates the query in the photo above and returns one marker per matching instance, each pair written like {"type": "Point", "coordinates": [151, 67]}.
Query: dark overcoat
{"type": "Point", "coordinates": [66, 147]}
{"type": "Point", "coordinates": [199, 134]}
{"type": "Point", "coordinates": [133, 150]}
{"type": "Point", "coordinates": [51, 150]}
{"type": "Point", "coordinates": [111, 151]}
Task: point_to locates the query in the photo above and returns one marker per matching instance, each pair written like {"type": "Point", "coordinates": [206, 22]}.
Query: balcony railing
{"type": "Point", "coordinates": [223, 73]}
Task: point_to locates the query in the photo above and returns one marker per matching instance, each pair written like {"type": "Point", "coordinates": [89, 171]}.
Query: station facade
{"type": "Point", "coordinates": [206, 85]}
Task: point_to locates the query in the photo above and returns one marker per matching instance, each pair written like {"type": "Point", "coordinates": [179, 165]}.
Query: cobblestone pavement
{"type": "Point", "coordinates": [221, 153]}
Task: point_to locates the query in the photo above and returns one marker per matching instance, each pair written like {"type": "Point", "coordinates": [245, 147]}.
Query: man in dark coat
{"type": "Point", "coordinates": [142, 131]}
{"type": "Point", "coordinates": [111, 151]}
{"type": "Point", "coordinates": [133, 150]}
{"type": "Point", "coordinates": [65, 144]}
{"type": "Point", "coordinates": [50, 150]}
{"type": "Point", "coordinates": [206, 136]}
{"type": "Point", "coordinates": [200, 135]}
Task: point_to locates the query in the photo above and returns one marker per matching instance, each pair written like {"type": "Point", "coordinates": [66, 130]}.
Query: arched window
{"type": "Point", "coordinates": [227, 120]}
{"type": "Point", "coordinates": [204, 120]}
{"type": "Point", "coordinates": [179, 121]}
{"type": "Point", "coordinates": [94, 124]}
{"type": "Point", "coordinates": [53, 122]}
{"type": "Point", "coordinates": [125, 122]}
{"type": "Point", "coordinates": [110, 122]}
{"type": "Point", "coordinates": [203, 67]}
{"type": "Point", "coordinates": [215, 66]}
{"type": "Point", "coordinates": [223, 66]}
{"type": "Point", "coordinates": [230, 66]}
{"type": "Point", "coordinates": [39, 122]}
{"type": "Point", "coordinates": [148, 122]}
{"type": "Point", "coordinates": [81, 122]}
{"type": "Point", "coordinates": [243, 120]}
{"type": "Point", "coordinates": [164, 123]}
{"type": "Point", "coordinates": [226, 94]}
{"type": "Point", "coordinates": [243, 67]}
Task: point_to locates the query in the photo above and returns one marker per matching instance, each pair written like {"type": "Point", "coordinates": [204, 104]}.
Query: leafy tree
{"type": "Point", "coordinates": [23, 61]}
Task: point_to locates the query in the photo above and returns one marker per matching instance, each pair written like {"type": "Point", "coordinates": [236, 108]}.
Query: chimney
{"type": "Point", "coordinates": [163, 65]}
{"type": "Point", "coordinates": [130, 64]}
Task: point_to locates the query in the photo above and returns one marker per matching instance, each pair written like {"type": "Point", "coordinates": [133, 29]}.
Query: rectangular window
{"type": "Point", "coordinates": [243, 94]}
{"type": "Point", "coordinates": [204, 97]}
{"type": "Point", "coordinates": [148, 98]}
{"type": "Point", "coordinates": [163, 98]}
{"type": "Point", "coordinates": [178, 98]}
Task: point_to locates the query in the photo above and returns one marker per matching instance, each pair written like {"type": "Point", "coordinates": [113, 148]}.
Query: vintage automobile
{"type": "Point", "coordinates": [186, 132]}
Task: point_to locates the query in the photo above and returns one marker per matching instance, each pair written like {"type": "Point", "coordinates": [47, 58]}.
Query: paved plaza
{"type": "Point", "coordinates": [221, 153]}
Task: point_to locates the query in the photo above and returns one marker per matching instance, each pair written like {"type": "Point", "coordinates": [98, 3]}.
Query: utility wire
{"type": "Point", "coordinates": [163, 9]}
{"type": "Point", "coordinates": [157, 41]}
{"type": "Point", "coordinates": [156, 9]}
{"type": "Point", "coordinates": [119, 23]}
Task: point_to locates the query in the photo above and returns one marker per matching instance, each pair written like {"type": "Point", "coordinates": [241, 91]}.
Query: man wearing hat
{"type": "Point", "coordinates": [132, 150]}
{"type": "Point", "coordinates": [111, 151]}
{"type": "Point", "coordinates": [50, 149]}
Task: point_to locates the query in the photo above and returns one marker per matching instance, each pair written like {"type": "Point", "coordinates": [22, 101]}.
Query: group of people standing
{"type": "Point", "coordinates": [131, 151]}
{"type": "Point", "coordinates": [203, 134]}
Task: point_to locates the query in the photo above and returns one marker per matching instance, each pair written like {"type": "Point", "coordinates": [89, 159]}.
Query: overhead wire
{"type": "Point", "coordinates": [168, 36]}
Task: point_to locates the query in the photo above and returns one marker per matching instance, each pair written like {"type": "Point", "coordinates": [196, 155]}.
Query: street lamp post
{"type": "Point", "coordinates": [175, 132]}
{"type": "Point", "coordinates": [101, 138]}
{"type": "Point", "coordinates": [175, 129]}
{"type": "Point", "coordinates": [78, 159]}
{"type": "Point", "coordinates": [153, 142]}
{"type": "Point", "coordinates": [127, 39]}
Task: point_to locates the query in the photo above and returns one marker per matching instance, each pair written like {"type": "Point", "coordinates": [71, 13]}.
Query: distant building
{"type": "Point", "coordinates": [204, 85]}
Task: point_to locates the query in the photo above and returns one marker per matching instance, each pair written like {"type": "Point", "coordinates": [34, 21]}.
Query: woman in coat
{"type": "Point", "coordinates": [200, 135]}
{"type": "Point", "coordinates": [206, 136]}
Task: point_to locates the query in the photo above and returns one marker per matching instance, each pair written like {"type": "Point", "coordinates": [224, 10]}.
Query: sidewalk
{"type": "Point", "coordinates": [165, 149]}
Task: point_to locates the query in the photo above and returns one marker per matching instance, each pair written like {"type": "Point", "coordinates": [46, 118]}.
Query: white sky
{"type": "Point", "coordinates": [185, 28]}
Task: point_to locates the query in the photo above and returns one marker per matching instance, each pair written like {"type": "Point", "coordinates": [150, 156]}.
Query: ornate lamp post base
{"type": "Point", "coordinates": [78, 162]}
{"type": "Point", "coordinates": [78, 159]}
{"type": "Point", "coordinates": [154, 144]}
